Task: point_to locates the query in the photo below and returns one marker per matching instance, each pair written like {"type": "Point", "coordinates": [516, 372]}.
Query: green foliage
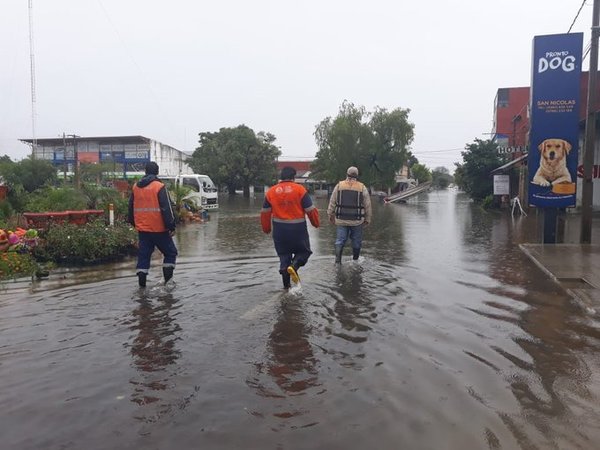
{"type": "Point", "coordinates": [92, 242]}
{"type": "Point", "coordinates": [99, 197]}
{"type": "Point", "coordinates": [30, 174]}
{"type": "Point", "coordinates": [420, 173]}
{"type": "Point", "coordinates": [94, 172]}
{"type": "Point", "coordinates": [6, 212]}
{"type": "Point", "coordinates": [236, 157]}
{"type": "Point", "coordinates": [376, 142]}
{"type": "Point", "coordinates": [488, 202]}
{"type": "Point", "coordinates": [13, 265]}
{"type": "Point", "coordinates": [441, 178]}
{"type": "Point", "coordinates": [56, 199]}
{"type": "Point", "coordinates": [473, 175]}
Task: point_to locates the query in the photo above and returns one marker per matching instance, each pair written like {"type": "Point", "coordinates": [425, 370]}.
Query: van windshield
{"type": "Point", "coordinates": [207, 183]}
{"type": "Point", "coordinates": [192, 183]}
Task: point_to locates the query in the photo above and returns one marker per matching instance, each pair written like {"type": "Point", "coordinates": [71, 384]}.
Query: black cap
{"type": "Point", "coordinates": [151, 168]}
{"type": "Point", "coordinates": [287, 173]}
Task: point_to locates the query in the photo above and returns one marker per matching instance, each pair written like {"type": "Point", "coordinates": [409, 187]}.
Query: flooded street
{"type": "Point", "coordinates": [443, 336]}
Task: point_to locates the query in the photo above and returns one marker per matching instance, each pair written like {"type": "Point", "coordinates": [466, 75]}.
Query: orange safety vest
{"type": "Point", "coordinates": [146, 209]}
{"type": "Point", "coordinates": [286, 202]}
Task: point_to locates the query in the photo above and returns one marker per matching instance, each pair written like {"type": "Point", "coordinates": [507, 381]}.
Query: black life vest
{"type": "Point", "coordinates": [350, 202]}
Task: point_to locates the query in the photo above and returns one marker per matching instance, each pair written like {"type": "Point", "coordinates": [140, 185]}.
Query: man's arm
{"type": "Point", "coordinates": [332, 205]}
{"type": "Point", "coordinates": [367, 203]}
{"type": "Point", "coordinates": [166, 210]}
{"type": "Point", "coordinates": [265, 216]}
{"type": "Point", "coordinates": [130, 218]}
{"type": "Point", "coordinates": [311, 211]}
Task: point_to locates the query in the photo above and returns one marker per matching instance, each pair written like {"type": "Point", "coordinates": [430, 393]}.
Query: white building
{"type": "Point", "coordinates": [127, 154]}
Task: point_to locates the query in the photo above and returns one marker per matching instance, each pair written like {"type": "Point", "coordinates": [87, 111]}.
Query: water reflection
{"type": "Point", "coordinates": [547, 367]}
{"type": "Point", "coordinates": [153, 349]}
{"type": "Point", "coordinates": [444, 336]}
{"type": "Point", "coordinates": [352, 306]}
{"type": "Point", "coordinates": [289, 368]}
{"type": "Point", "coordinates": [292, 363]}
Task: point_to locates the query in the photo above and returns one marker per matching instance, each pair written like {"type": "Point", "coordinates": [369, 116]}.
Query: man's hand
{"type": "Point", "coordinates": [332, 220]}
{"type": "Point", "coordinates": [366, 223]}
{"type": "Point", "coordinates": [171, 233]}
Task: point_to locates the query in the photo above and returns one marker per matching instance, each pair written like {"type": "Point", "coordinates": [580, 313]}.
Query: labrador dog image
{"type": "Point", "coordinates": [553, 163]}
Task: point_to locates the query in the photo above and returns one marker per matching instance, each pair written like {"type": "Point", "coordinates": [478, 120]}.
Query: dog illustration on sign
{"type": "Point", "coordinates": [553, 163]}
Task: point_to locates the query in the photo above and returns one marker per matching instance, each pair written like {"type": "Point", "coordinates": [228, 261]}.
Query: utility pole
{"type": "Point", "coordinates": [65, 158]}
{"type": "Point", "coordinates": [76, 165]}
{"type": "Point", "coordinates": [587, 191]}
{"type": "Point", "coordinates": [76, 160]}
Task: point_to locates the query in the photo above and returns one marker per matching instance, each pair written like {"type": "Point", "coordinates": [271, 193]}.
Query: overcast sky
{"type": "Point", "coordinates": [171, 69]}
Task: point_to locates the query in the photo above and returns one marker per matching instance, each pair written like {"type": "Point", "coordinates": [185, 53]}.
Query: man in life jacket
{"type": "Point", "coordinates": [349, 209]}
{"type": "Point", "coordinates": [151, 214]}
{"type": "Point", "coordinates": [285, 206]}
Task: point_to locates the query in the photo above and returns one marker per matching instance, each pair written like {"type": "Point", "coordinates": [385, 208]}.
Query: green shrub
{"type": "Point", "coordinates": [100, 197]}
{"type": "Point", "coordinates": [488, 202]}
{"type": "Point", "coordinates": [56, 199]}
{"type": "Point", "coordinates": [92, 242]}
{"type": "Point", "coordinates": [13, 265]}
{"type": "Point", "coordinates": [6, 212]}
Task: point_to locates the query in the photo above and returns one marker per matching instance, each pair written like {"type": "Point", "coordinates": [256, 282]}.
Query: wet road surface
{"type": "Point", "coordinates": [443, 335]}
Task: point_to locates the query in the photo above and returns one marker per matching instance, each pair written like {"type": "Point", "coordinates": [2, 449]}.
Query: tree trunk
{"type": "Point", "coordinates": [231, 189]}
{"type": "Point", "coordinates": [246, 190]}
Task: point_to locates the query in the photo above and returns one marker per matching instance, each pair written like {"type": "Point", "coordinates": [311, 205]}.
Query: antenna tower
{"type": "Point", "coordinates": [32, 67]}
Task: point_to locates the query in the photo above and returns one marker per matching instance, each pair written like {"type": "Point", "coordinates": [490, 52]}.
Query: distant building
{"type": "Point", "coordinates": [128, 155]}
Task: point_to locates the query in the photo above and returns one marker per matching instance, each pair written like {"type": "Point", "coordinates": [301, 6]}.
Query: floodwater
{"type": "Point", "coordinates": [443, 336]}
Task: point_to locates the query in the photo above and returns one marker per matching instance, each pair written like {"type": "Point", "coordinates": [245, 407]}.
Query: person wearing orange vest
{"type": "Point", "coordinates": [151, 214]}
{"type": "Point", "coordinates": [349, 209]}
{"type": "Point", "coordinates": [284, 209]}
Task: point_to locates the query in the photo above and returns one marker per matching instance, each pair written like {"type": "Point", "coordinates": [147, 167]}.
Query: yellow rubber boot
{"type": "Point", "coordinates": [293, 274]}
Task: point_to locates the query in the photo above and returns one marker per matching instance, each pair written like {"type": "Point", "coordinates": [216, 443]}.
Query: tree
{"type": "Point", "coordinates": [376, 142]}
{"type": "Point", "coordinates": [421, 173]}
{"type": "Point", "coordinates": [440, 177]}
{"type": "Point", "coordinates": [237, 157]}
{"type": "Point", "coordinates": [30, 174]}
{"type": "Point", "coordinates": [94, 172]}
{"type": "Point", "coordinates": [473, 175]}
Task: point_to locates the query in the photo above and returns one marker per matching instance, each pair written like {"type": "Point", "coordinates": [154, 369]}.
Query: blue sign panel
{"type": "Point", "coordinates": [554, 135]}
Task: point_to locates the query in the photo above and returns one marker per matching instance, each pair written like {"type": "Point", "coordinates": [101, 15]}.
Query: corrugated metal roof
{"type": "Point", "coordinates": [510, 164]}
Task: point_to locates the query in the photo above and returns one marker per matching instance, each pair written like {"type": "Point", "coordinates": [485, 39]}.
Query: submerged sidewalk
{"type": "Point", "coordinates": [575, 267]}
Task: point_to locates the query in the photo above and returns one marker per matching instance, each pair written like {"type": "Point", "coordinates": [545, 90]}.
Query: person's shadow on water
{"type": "Point", "coordinates": [289, 368]}
{"type": "Point", "coordinates": [153, 348]}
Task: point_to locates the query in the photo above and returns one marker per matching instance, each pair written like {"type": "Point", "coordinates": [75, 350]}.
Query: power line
{"type": "Point", "coordinates": [576, 16]}
{"type": "Point", "coordinates": [437, 151]}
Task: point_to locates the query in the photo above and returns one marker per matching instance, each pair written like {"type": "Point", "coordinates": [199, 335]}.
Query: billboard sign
{"type": "Point", "coordinates": [554, 135]}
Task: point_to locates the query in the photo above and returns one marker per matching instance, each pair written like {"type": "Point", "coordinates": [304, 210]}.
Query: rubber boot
{"type": "Point", "coordinates": [355, 253]}
{"type": "Point", "coordinates": [293, 272]}
{"type": "Point", "coordinates": [168, 273]}
{"type": "Point", "coordinates": [142, 278]}
{"type": "Point", "coordinates": [338, 253]}
{"type": "Point", "coordinates": [285, 277]}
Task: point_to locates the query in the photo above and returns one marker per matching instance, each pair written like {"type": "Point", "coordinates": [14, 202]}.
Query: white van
{"type": "Point", "coordinates": [203, 191]}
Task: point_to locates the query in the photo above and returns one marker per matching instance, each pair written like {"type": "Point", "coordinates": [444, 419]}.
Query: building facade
{"type": "Point", "coordinates": [126, 155]}
{"type": "Point", "coordinates": [511, 132]}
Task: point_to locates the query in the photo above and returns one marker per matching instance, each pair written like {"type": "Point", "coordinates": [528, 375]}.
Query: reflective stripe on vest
{"type": "Point", "coordinates": [146, 209]}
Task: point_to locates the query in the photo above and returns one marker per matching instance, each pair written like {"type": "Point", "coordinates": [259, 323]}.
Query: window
{"type": "Point", "coordinates": [502, 98]}
{"type": "Point", "coordinates": [191, 182]}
